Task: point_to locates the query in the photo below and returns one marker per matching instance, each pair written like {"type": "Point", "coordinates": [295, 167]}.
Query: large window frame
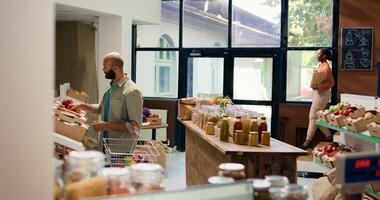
{"type": "Point", "coordinates": [279, 66]}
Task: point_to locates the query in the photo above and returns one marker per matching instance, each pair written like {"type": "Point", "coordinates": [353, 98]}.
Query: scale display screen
{"type": "Point", "coordinates": [362, 169]}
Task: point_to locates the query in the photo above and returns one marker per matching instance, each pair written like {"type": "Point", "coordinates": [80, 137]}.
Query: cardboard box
{"type": "Point", "coordinates": [337, 120]}
{"type": "Point", "coordinates": [69, 117]}
{"type": "Point", "coordinates": [323, 115]}
{"type": "Point", "coordinates": [374, 129]}
{"type": "Point", "coordinates": [360, 124]}
{"type": "Point", "coordinates": [72, 130]}
{"type": "Point", "coordinates": [154, 121]}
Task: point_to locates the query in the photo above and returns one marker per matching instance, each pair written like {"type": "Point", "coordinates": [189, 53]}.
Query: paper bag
{"type": "Point", "coordinates": [317, 78]}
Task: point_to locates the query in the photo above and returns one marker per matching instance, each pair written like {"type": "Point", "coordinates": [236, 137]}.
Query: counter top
{"type": "Point", "coordinates": [276, 146]}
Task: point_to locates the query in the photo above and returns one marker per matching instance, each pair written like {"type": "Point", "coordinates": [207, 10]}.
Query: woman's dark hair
{"type": "Point", "coordinates": [327, 53]}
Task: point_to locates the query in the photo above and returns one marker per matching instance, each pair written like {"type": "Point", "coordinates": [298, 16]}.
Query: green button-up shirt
{"type": "Point", "coordinates": [126, 106]}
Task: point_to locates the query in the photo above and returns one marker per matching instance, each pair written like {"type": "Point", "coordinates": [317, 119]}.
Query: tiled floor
{"type": "Point", "coordinates": [176, 174]}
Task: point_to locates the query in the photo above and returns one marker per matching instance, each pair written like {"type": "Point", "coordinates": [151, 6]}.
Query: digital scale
{"type": "Point", "coordinates": [355, 171]}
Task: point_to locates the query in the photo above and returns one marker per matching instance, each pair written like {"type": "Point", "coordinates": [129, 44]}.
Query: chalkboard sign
{"type": "Point", "coordinates": [357, 48]}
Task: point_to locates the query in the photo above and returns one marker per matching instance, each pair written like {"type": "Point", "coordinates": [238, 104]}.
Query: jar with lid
{"type": "Point", "coordinates": [246, 127]}
{"type": "Point", "coordinates": [277, 181]}
{"type": "Point", "coordinates": [119, 180]}
{"type": "Point", "coordinates": [260, 189]}
{"type": "Point", "coordinates": [232, 170]}
{"type": "Point", "coordinates": [58, 179]}
{"type": "Point", "coordinates": [262, 127]}
{"type": "Point", "coordinates": [253, 139]}
{"type": "Point", "coordinates": [83, 165]}
{"type": "Point", "coordinates": [224, 129]}
{"type": "Point", "coordinates": [220, 180]}
{"type": "Point", "coordinates": [296, 192]}
{"type": "Point", "coordinates": [238, 124]}
{"type": "Point", "coordinates": [239, 137]}
{"type": "Point", "coordinates": [147, 177]}
{"type": "Point", "coordinates": [265, 138]}
{"type": "Point", "coordinates": [277, 193]}
{"type": "Point", "coordinates": [254, 124]}
{"type": "Point", "coordinates": [210, 128]}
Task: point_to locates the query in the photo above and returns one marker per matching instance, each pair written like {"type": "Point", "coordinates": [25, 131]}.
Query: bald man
{"type": "Point", "coordinates": [122, 103]}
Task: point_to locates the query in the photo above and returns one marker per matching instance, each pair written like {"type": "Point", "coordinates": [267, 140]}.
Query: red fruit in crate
{"type": "Point", "coordinates": [346, 113]}
{"type": "Point", "coordinates": [336, 112]}
{"type": "Point", "coordinates": [67, 102]}
{"type": "Point", "coordinates": [70, 106]}
{"type": "Point", "coordinates": [341, 112]}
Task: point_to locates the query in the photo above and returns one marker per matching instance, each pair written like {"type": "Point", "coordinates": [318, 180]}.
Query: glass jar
{"type": "Point", "coordinates": [210, 128]}
{"type": "Point", "coordinates": [254, 124]}
{"type": "Point", "coordinates": [119, 180]}
{"type": "Point", "coordinates": [238, 124]}
{"type": "Point", "coordinates": [232, 170]}
{"type": "Point", "coordinates": [83, 165]}
{"type": "Point", "coordinates": [224, 130]}
{"type": "Point", "coordinates": [58, 179]}
{"type": "Point", "coordinates": [277, 193]}
{"type": "Point", "coordinates": [147, 177]}
{"type": "Point", "coordinates": [260, 189]}
{"type": "Point", "coordinates": [277, 181]}
{"type": "Point", "coordinates": [253, 139]}
{"type": "Point", "coordinates": [262, 127]}
{"type": "Point", "coordinates": [265, 138]}
{"type": "Point", "coordinates": [220, 180]}
{"type": "Point", "coordinates": [246, 127]}
{"type": "Point", "coordinates": [296, 192]}
{"type": "Point", "coordinates": [239, 137]}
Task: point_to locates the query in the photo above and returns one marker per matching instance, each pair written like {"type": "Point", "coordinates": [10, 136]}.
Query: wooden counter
{"type": "Point", "coordinates": [205, 152]}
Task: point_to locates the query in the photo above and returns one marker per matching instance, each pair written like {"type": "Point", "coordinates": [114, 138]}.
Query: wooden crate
{"type": "Point", "coordinates": [323, 115]}
{"type": "Point", "coordinates": [374, 129]}
{"type": "Point", "coordinates": [337, 120]}
{"type": "Point", "coordinates": [360, 124]}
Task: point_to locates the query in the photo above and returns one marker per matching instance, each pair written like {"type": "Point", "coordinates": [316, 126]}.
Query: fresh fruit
{"type": "Point", "coordinates": [67, 102]}
{"type": "Point", "coordinates": [368, 116]}
{"type": "Point", "coordinates": [336, 113]}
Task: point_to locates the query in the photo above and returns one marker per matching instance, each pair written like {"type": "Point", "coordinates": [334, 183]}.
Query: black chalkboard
{"type": "Point", "coordinates": [357, 48]}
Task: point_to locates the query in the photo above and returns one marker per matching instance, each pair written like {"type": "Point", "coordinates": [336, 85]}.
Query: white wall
{"type": "Point", "coordinates": [26, 148]}
{"type": "Point", "coordinates": [115, 26]}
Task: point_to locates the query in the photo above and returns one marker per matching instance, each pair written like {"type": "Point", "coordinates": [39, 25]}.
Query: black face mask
{"type": "Point", "coordinates": [110, 74]}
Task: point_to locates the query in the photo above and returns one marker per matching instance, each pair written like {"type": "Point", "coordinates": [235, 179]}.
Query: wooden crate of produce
{"type": "Point", "coordinates": [323, 115]}
{"type": "Point", "coordinates": [74, 131]}
{"type": "Point", "coordinates": [360, 124]}
{"type": "Point", "coordinates": [374, 129]}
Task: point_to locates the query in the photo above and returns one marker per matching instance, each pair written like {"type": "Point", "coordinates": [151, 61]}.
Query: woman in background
{"type": "Point", "coordinates": [321, 96]}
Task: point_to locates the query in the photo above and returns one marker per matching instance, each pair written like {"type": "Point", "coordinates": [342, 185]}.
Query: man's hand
{"type": "Point", "coordinates": [100, 125]}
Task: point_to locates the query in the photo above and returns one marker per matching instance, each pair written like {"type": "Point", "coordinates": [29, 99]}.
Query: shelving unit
{"type": "Point", "coordinates": [363, 135]}
{"type": "Point", "coordinates": [360, 141]}
{"type": "Point", "coordinates": [68, 142]}
{"type": "Point", "coordinates": [322, 164]}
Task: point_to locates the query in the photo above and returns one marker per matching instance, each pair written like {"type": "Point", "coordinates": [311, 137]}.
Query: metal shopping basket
{"type": "Point", "coordinates": [123, 152]}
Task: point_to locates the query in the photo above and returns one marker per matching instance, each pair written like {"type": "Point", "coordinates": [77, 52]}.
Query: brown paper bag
{"type": "Point", "coordinates": [317, 78]}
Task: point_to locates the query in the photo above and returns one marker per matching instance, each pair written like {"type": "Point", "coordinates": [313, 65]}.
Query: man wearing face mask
{"type": "Point", "coordinates": [122, 103]}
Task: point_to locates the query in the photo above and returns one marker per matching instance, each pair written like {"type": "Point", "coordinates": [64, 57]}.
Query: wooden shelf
{"type": "Point", "coordinates": [322, 164]}
{"type": "Point", "coordinates": [363, 135]}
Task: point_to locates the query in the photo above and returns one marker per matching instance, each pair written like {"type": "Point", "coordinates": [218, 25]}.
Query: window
{"type": "Point", "coordinates": [256, 23]}
{"type": "Point", "coordinates": [301, 65]}
{"type": "Point", "coordinates": [205, 23]}
{"type": "Point", "coordinates": [253, 78]}
{"type": "Point", "coordinates": [157, 73]}
{"type": "Point", "coordinates": [205, 75]}
{"type": "Point", "coordinates": [147, 35]}
{"type": "Point", "coordinates": [310, 23]}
